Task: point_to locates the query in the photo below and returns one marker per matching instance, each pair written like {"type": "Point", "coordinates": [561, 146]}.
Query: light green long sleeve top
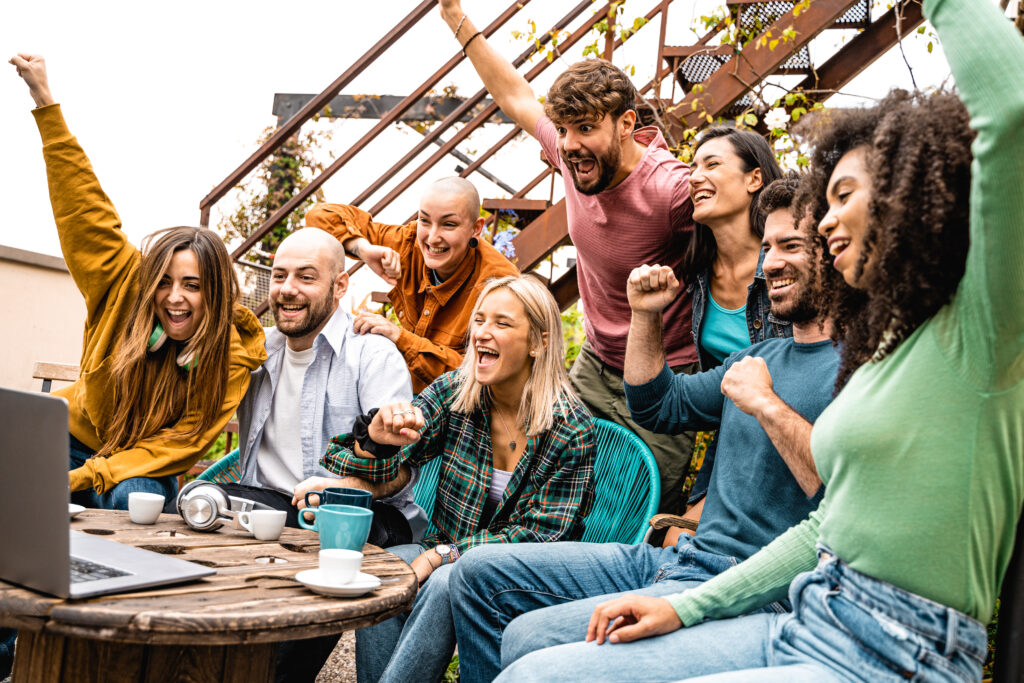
{"type": "Point", "coordinates": [922, 453]}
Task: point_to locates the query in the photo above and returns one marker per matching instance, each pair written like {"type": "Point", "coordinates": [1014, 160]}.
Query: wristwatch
{"type": "Point", "coordinates": [448, 553]}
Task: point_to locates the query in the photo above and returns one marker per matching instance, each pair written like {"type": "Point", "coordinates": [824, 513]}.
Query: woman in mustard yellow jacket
{"type": "Point", "coordinates": [167, 349]}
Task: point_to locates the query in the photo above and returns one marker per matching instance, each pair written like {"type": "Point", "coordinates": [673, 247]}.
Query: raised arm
{"type": "Point", "coordinates": [748, 384]}
{"type": "Point", "coordinates": [508, 88]}
{"type": "Point", "coordinates": [97, 253]}
{"type": "Point", "coordinates": [649, 289]}
{"type": "Point", "coordinates": [986, 56]}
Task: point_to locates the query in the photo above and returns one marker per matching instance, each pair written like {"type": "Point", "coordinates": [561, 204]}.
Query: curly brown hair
{"type": "Point", "coordinates": [919, 155]}
{"type": "Point", "coordinates": [587, 91]}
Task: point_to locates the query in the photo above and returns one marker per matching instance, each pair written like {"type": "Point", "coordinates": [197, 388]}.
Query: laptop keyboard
{"type": "Point", "coordinates": [83, 570]}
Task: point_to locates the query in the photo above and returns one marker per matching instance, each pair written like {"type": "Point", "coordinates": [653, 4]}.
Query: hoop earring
{"type": "Point", "coordinates": [473, 242]}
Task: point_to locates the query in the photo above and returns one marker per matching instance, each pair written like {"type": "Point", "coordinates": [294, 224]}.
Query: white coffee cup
{"type": "Point", "coordinates": [265, 525]}
{"type": "Point", "coordinates": [144, 507]}
{"type": "Point", "coordinates": [339, 565]}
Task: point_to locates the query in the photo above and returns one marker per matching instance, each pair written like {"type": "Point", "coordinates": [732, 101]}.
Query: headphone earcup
{"type": "Point", "coordinates": [157, 338]}
{"type": "Point", "coordinates": [187, 360]}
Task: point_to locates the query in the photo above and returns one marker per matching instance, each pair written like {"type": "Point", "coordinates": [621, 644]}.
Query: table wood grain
{"type": "Point", "coordinates": [222, 627]}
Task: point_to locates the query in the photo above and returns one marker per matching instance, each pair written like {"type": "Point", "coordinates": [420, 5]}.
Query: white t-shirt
{"type": "Point", "coordinates": [280, 456]}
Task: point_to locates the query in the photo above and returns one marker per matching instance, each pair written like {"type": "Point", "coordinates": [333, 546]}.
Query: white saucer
{"type": "Point", "coordinates": [318, 583]}
{"type": "Point", "coordinates": [75, 510]}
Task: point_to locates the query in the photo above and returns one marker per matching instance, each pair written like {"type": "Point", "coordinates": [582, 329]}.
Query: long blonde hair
{"type": "Point", "coordinates": [548, 381]}
{"type": "Point", "coordinates": [150, 390]}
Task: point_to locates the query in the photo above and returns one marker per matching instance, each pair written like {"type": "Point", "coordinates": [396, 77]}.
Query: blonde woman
{"type": "Point", "coordinates": [517, 449]}
{"type": "Point", "coordinates": [167, 349]}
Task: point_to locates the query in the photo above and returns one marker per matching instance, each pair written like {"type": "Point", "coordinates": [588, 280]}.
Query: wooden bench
{"type": "Point", "coordinates": [65, 372]}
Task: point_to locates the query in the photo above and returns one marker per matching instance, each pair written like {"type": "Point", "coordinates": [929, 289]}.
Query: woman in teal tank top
{"type": "Point", "coordinates": [922, 452]}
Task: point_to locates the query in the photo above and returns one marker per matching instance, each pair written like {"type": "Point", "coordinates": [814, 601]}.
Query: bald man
{"type": "Point", "coordinates": [318, 378]}
{"type": "Point", "coordinates": [435, 265]}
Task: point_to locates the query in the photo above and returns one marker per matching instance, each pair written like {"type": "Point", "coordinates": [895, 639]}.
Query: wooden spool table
{"type": "Point", "coordinates": [221, 628]}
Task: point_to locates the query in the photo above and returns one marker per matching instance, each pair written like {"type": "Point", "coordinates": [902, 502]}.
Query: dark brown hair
{"type": "Point", "coordinates": [587, 91]}
{"type": "Point", "coordinates": [777, 195]}
{"type": "Point", "coordinates": [918, 151]}
{"type": "Point", "coordinates": [754, 151]}
{"type": "Point", "coordinates": [150, 390]}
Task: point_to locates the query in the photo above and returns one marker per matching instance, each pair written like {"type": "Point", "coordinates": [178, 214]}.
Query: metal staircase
{"type": "Point", "coordinates": [714, 80]}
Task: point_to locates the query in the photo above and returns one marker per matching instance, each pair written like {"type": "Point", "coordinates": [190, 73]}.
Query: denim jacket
{"type": "Point", "coordinates": [761, 325]}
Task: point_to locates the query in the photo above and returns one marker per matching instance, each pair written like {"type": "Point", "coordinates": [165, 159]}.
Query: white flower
{"type": "Point", "coordinates": [776, 118]}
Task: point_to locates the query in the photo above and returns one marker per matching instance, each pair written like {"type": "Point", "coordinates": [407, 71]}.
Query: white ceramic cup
{"type": "Point", "coordinates": [265, 525]}
{"type": "Point", "coordinates": [339, 565]}
{"type": "Point", "coordinates": [144, 507]}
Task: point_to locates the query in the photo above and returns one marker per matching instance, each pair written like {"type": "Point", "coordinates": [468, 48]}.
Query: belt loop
{"type": "Point", "coordinates": [952, 622]}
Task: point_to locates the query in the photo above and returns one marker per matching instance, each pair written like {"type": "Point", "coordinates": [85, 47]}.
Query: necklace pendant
{"type": "Point", "coordinates": [512, 445]}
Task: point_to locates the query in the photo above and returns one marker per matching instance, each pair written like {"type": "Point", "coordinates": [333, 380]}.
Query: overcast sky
{"type": "Point", "coordinates": [168, 98]}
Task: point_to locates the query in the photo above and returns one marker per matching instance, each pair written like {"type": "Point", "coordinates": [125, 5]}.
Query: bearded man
{"type": "Point", "coordinates": [627, 201]}
{"type": "Point", "coordinates": [319, 376]}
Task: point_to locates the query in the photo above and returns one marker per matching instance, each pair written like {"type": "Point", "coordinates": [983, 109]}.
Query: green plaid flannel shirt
{"type": "Point", "coordinates": [552, 504]}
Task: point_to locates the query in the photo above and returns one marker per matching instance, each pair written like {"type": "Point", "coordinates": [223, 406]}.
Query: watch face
{"type": "Point", "coordinates": [442, 550]}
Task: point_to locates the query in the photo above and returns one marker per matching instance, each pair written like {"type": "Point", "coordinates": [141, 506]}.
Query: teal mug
{"type": "Point", "coordinates": [339, 526]}
{"type": "Point", "coordinates": [339, 495]}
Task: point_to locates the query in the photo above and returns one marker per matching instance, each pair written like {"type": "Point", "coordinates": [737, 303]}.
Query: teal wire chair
{"type": "Point", "coordinates": [227, 470]}
{"type": "Point", "coordinates": [425, 489]}
{"type": "Point", "coordinates": [627, 487]}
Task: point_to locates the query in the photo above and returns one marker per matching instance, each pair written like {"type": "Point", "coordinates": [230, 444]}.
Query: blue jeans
{"type": "Point", "coordinates": [117, 497]}
{"type": "Point", "coordinates": [845, 626]}
{"type": "Point", "coordinates": [415, 646]}
{"type": "Point", "coordinates": [510, 600]}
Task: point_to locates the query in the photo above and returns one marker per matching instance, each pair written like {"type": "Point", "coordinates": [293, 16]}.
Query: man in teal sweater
{"type": "Point", "coordinates": [763, 400]}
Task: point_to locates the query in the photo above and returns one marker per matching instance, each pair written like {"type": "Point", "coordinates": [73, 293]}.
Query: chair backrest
{"type": "Point", "coordinates": [627, 487]}
{"type": "Point", "coordinates": [425, 489]}
{"type": "Point", "coordinates": [1009, 661]}
{"type": "Point", "coordinates": [227, 470]}
{"type": "Point", "coordinates": [48, 372]}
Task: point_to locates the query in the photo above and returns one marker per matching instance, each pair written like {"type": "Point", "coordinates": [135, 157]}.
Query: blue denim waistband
{"type": "Point", "coordinates": [949, 628]}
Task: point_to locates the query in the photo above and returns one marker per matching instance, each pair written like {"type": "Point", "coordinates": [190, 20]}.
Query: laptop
{"type": "Point", "coordinates": [38, 550]}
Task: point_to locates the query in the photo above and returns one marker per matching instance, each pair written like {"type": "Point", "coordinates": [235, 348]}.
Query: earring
{"type": "Point", "coordinates": [157, 338]}
{"type": "Point", "coordinates": [473, 242]}
{"type": "Point", "coordinates": [532, 354]}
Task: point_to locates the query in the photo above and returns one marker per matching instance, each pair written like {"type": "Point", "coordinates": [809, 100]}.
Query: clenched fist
{"type": "Point", "coordinates": [650, 289]}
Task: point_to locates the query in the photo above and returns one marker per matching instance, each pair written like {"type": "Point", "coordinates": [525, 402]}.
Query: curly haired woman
{"type": "Point", "coordinates": [895, 575]}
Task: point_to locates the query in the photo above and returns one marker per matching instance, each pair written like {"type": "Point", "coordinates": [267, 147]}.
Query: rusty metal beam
{"type": "Point", "coordinates": [427, 108]}
{"type": "Point", "coordinates": [315, 105]}
{"type": "Point", "coordinates": [566, 289]}
{"type": "Point", "coordinates": [862, 50]}
{"type": "Point", "coordinates": [477, 121]}
{"type": "Point", "coordinates": [385, 121]}
{"type": "Point", "coordinates": [546, 233]}
{"type": "Point", "coordinates": [753, 64]}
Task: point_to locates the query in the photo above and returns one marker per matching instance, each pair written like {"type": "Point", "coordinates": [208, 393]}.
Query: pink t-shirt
{"type": "Point", "coordinates": [647, 218]}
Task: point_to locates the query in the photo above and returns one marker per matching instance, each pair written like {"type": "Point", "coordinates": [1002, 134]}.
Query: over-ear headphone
{"type": "Point", "coordinates": [186, 359]}
{"type": "Point", "coordinates": [205, 506]}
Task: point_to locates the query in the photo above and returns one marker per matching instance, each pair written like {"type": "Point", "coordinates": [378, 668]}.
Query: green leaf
{"type": "Point", "coordinates": [750, 119]}
{"type": "Point", "coordinates": [790, 99]}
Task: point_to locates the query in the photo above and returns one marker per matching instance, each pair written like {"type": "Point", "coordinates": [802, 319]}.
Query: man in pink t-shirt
{"type": "Point", "coordinates": [628, 204]}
